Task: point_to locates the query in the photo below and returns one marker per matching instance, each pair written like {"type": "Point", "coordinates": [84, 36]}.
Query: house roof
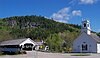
{"type": "Point", "coordinates": [95, 37]}
{"type": "Point", "coordinates": [13, 42]}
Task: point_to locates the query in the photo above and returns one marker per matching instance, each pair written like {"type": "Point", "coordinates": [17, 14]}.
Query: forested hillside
{"type": "Point", "coordinates": [55, 34]}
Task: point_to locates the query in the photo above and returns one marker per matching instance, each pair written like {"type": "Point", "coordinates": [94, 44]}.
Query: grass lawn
{"type": "Point", "coordinates": [81, 54]}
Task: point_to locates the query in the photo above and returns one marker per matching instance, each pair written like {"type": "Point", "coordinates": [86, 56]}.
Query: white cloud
{"type": "Point", "coordinates": [62, 15]}
{"type": "Point", "coordinates": [87, 1]}
{"type": "Point", "coordinates": [47, 17]}
{"type": "Point", "coordinates": [75, 2]}
{"type": "Point", "coordinates": [77, 13]}
{"type": "Point", "coordinates": [65, 14]}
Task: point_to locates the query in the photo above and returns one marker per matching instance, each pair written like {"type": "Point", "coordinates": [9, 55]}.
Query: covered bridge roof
{"type": "Point", "coordinates": [13, 42]}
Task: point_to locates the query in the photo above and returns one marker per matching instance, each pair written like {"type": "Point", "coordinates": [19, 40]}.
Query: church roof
{"type": "Point", "coordinates": [13, 42]}
{"type": "Point", "coordinates": [95, 37]}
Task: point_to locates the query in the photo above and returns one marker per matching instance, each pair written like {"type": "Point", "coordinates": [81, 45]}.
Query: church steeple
{"type": "Point", "coordinates": [86, 27]}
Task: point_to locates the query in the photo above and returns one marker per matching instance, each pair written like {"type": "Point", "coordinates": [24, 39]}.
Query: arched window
{"type": "Point", "coordinates": [84, 24]}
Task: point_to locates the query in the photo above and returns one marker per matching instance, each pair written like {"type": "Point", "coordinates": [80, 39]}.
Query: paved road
{"type": "Point", "coordinates": [34, 54]}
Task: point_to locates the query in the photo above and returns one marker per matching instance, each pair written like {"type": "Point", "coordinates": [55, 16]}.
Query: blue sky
{"type": "Point", "coordinates": [67, 11]}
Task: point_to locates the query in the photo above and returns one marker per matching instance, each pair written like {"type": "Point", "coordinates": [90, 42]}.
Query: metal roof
{"type": "Point", "coordinates": [95, 37]}
{"type": "Point", "coordinates": [13, 42]}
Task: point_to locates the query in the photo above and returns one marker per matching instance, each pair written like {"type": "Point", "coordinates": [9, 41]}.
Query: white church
{"type": "Point", "coordinates": [86, 42]}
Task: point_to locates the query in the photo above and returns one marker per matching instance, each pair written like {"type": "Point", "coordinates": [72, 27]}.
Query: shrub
{"type": "Point", "coordinates": [1, 53]}
{"type": "Point", "coordinates": [23, 52]}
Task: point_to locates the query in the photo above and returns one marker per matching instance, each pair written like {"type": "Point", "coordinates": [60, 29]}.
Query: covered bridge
{"type": "Point", "coordinates": [17, 45]}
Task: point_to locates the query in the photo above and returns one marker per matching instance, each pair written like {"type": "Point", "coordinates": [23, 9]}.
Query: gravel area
{"type": "Point", "coordinates": [35, 54]}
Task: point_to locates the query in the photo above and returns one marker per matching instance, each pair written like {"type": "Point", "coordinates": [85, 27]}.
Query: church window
{"type": "Point", "coordinates": [84, 25]}
{"type": "Point", "coordinates": [88, 25]}
{"type": "Point", "coordinates": [84, 42]}
{"type": "Point", "coordinates": [84, 46]}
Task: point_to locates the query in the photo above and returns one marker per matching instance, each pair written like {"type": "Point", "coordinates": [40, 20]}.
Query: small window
{"type": "Point", "coordinates": [84, 25]}
{"type": "Point", "coordinates": [84, 42]}
{"type": "Point", "coordinates": [88, 25]}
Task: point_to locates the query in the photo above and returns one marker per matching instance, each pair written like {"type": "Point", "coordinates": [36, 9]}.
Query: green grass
{"type": "Point", "coordinates": [81, 54]}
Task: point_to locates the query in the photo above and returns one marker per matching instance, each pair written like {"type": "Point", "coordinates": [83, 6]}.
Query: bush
{"type": "Point", "coordinates": [23, 52]}
{"type": "Point", "coordinates": [1, 53]}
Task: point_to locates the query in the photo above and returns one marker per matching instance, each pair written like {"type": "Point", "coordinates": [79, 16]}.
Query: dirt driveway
{"type": "Point", "coordinates": [35, 54]}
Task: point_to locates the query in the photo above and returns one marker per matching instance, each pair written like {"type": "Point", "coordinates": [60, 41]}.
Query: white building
{"type": "Point", "coordinates": [17, 45]}
{"type": "Point", "coordinates": [87, 42]}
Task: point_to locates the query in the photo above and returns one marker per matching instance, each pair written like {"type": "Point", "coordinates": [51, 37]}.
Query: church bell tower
{"type": "Point", "coordinates": [86, 27]}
